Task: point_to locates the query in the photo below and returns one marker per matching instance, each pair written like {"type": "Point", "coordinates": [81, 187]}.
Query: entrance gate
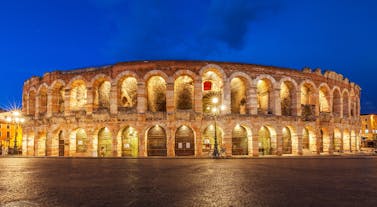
{"type": "Point", "coordinates": [104, 143]}
{"type": "Point", "coordinates": [156, 139]}
{"type": "Point", "coordinates": [239, 141]}
{"type": "Point", "coordinates": [184, 141]}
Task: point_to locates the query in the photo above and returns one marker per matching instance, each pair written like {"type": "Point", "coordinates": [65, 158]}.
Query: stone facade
{"type": "Point", "coordinates": [167, 108]}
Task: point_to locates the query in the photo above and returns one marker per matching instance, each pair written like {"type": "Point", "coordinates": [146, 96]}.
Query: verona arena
{"type": "Point", "coordinates": [166, 108]}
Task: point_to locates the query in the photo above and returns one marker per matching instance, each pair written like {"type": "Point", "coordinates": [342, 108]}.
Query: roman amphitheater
{"type": "Point", "coordinates": [179, 108]}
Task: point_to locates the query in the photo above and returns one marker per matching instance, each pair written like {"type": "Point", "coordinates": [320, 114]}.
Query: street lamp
{"type": "Point", "coordinates": [16, 119]}
{"type": "Point", "coordinates": [216, 111]}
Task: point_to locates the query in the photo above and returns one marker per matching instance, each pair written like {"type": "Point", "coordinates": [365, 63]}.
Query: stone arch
{"type": "Point", "coordinates": [57, 92]}
{"type": "Point", "coordinates": [75, 79]}
{"type": "Point", "coordinates": [78, 142]}
{"type": "Point", "coordinates": [308, 139]}
{"type": "Point", "coordinates": [208, 137]}
{"type": "Point", "coordinates": [324, 98]}
{"type": "Point", "coordinates": [287, 140]}
{"type": "Point", "coordinates": [78, 95]}
{"type": "Point", "coordinates": [338, 142]}
{"type": "Point", "coordinates": [184, 92]}
{"type": "Point", "coordinates": [105, 142]}
{"type": "Point", "coordinates": [337, 102]}
{"type": "Point", "coordinates": [184, 141]}
{"type": "Point", "coordinates": [346, 103]}
{"type": "Point", "coordinates": [152, 73]}
{"type": "Point", "coordinates": [240, 140]}
{"type": "Point", "coordinates": [31, 101]}
{"type": "Point", "coordinates": [156, 141]}
{"type": "Point", "coordinates": [267, 140]}
{"type": "Point", "coordinates": [213, 84]}
{"type": "Point", "coordinates": [265, 93]}
{"type": "Point", "coordinates": [215, 68]}
{"type": "Point", "coordinates": [42, 98]}
{"type": "Point", "coordinates": [324, 140]}
{"type": "Point", "coordinates": [156, 94]}
{"type": "Point", "coordinates": [128, 142]}
{"type": "Point", "coordinates": [238, 91]}
{"type": "Point", "coordinates": [346, 140]}
{"type": "Point", "coordinates": [288, 96]}
{"type": "Point", "coordinates": [101, 89]}
{"type": "Point", "coordinates": [185, 72]}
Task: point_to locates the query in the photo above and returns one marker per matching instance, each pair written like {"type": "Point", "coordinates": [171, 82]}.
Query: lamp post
{"type": "Point", "coordinates": [215, 111]}
{"type": "Point", "coordinates": [15, 119]}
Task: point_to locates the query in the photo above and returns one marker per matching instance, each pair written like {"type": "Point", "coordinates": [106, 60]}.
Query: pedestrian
{"type": "Point", "coordinates": [102, 151]}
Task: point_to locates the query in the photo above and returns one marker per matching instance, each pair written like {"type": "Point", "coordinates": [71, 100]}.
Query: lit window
{"type": "Point", "coordinates": [366, 131]}
{"type": "Point", "coordinates": [8, 134]}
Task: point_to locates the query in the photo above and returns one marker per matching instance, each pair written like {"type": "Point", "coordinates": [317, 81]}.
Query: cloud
{"type": "Point", "coordinates": [179, 29]}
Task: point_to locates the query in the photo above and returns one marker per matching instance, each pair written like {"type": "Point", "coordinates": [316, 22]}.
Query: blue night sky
{"type": "Point", "coordinates": [42, 36]}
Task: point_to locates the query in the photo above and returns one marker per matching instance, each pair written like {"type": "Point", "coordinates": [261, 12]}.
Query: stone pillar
{"type": "Point", "coordinates": [141, 98]}
{"type": "Point", "coordinates": [255, 142]}
{"type": "Point", "coordinates": [316, 96]}
{"type": "Point", "coordinates": [331, 140]}
{"type": "Point", "coordinates": [298, 103]}
{"type": "Point", "coordinates": [198, 141]}
{"type": "Point", "coordinates": [341, 107]}
{"type": "Point", "coordinates": [114, 99]}
{"type": "Point", "coordinates": [89, 100]}
{"type": "Point", "coordinates": [49, 103]}
{"type": "Point", "coordinates": [226, 97]}
{"type": "Point", "coordinates": [276, 102]}
{"type": "Point", "coordinates": [170, 97]}
{"type": "Point", "coordinates": [279, 141]}
{"type": "Point", "coordinates": [318, 137]}
{"type": "Point", "coordinates": [170, 142]}
{"type": "Point", "coordinates": [297, 147]}
{"type": "Point", "coordinates": [227, 138]}
{"type": "Point", "coordinates": [67, 109]}
{"type": "Point", "coordinates": [198, 105]}
{"type": "Point", "coordinates": [252, 105]}
{"type": "Point", "coordinates": [142, 142]}
{"type": "Point", "coordinates": [37, 103]}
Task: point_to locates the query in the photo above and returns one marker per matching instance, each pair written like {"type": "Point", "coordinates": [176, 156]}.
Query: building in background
{"type": "Point", "coordinates": [369, 130]}
{"type": "Point", "coordinates": [9, 130]}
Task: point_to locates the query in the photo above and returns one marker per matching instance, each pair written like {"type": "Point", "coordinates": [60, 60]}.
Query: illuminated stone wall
{"type": "Point", "coordinates": [167, 108]}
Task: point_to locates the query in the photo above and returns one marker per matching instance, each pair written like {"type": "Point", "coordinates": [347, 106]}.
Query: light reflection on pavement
{"type": "Point", "coordinates": [188, 182]}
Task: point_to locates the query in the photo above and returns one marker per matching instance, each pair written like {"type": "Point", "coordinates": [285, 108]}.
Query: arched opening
{"type": "Point", "coordinates": [212, 88]}
{"type": "Point", "coordinates": [346, 111]}
{"type": "Point", "coordinates": [156, 141]}
{"type": "Point", "coordinates": [308, 101]}
{"type": "Point", "coordinates": [346, 141]}
{"type": "Point", "coordinates": [287, 141]}
{"type": "Point", "coordinates": [41, 146]}
{"type": "Point", "coordinates": [183, 92]}
{"type": "Point", "coordinates": [265, 141]}
{"type": "Point", "coordinates": [127, 93]}
{"type": "Point", "coordinates": [353, 141]}
{"type": "Point", "coordinates": [264, 96]}
{"type": "Point", "coordinates": [337, 105]}
{"type": "Point", "coordinates": [32, 102]}
{"type": "Point", "coordinates": [325, 141]}
{"type": "Point", "coordinates": [105, 143]}
{"type": "Point", "coordinates": [208, 137]}
{"type": "Point", "coordinates": [130, 142]}
{"type": "Point", "coordinates": [305, 139]}
{"type": "Point", "coordinates": [320, 142]}
{"type": "Point", "coordinates": [287, 98]}
{"type": "Point", "coordinates": [238, 96]}
{"type": "Point", "coordinates": [42, 100]}
{"type": "Point", "coordinates": [239, 140]}
{"type": "Point", "coordinates": [57, 100]}
{"type": "Point", "coordinates": [338, 143]}
{"type": "Point", "coordinates": [101, 89]}
{"type": "Point", "coordinates": [324, 100]}
{"type": "Point", "coordinates": [78, 95]}
{"type": "Point", "coordinates": [79, 142]}
{"type": "Point", "coordinates": [156, 89]}
{"type": "Point", "coordinates": [61, 144]}
{"type": "Point", "coordinates": [184, 141]}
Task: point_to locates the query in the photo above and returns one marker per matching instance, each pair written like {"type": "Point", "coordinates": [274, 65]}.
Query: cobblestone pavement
{"type": "Point", "coordinates": [188, 182]}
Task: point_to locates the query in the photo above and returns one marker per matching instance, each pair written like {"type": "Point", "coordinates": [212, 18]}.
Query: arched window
{"type": "Point", "coordinates": [212, 88]}
{"type": "Point", "coordinates": [183, 92]}
{"type": "Point", "coordinates": [102, 90]}
{"type": "Point", "coordinates": [32, 102]}
{"type": "Point", "coordinates": [156, 88]}
{"type": "Point", "coordinates": [238, 96]}
{"type": "Point", "coordinates": [324, 97]}
{"type": "Point", "coordinates": [337, 103]}
{"type": "Point", "coordinates": [78, 95]}
{"type": "Point", "coordinates": [264, 96]}
{"type": "Point", "coordinates": [57, 98]}
{"type": "Point", "coordinates": [127, 93]}
{"type": "Point", "coordinates": [287, 98]}
{"type": "Point", "coordinates": [43, 100]}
